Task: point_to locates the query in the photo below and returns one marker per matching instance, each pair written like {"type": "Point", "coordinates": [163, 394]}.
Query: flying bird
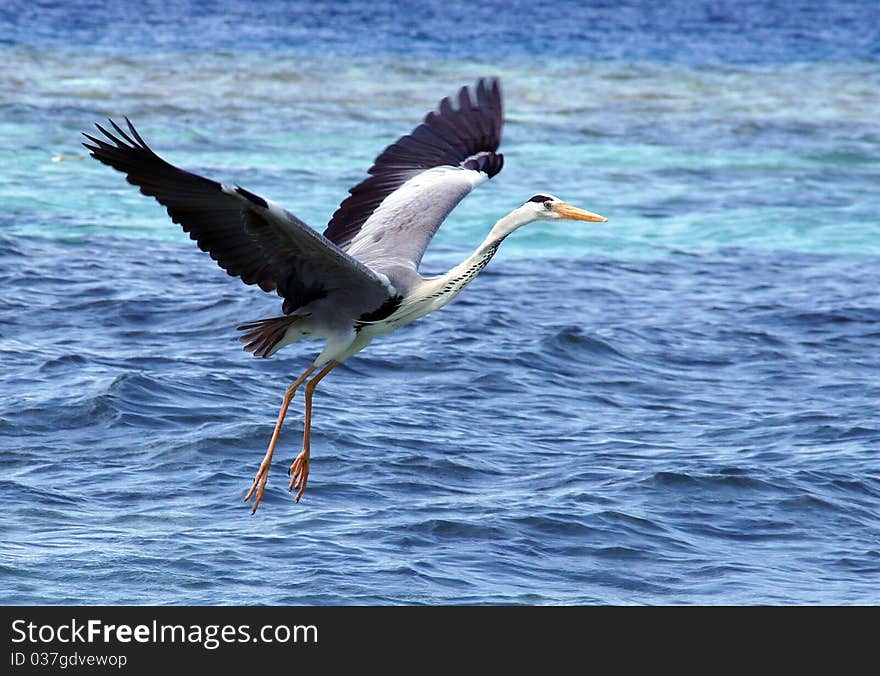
{"type": "Point", "coordinates": [359, 279]}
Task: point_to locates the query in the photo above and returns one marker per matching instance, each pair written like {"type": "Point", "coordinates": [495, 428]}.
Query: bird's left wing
{"type": "Point", "coordinates": [248, 236]}
{"type": "Point", "coordinates": [390, 217]}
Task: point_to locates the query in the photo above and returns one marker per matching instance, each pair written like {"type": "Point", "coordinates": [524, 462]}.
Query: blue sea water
{"type": "Point", "coordinates": [679, 406]}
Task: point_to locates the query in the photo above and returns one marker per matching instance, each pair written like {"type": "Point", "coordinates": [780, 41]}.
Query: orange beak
{"type": "Point", "coordinates": [575, 214]}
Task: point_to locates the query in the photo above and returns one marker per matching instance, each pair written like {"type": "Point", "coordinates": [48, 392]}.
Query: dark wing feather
{"type": "Point", "coordinates": [247, 236]}
{"type": "Point", "coordinates": [466, 135]}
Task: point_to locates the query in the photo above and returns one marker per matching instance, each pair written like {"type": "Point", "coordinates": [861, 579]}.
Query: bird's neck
{"type": "Point", "coordinates": [464, 273]}
{"type": "Point", "coordinates": [479, 259]}
{"type": "Point", "coordinates": [446, 287]}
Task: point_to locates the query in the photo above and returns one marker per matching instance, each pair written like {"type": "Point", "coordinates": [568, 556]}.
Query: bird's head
{"type": "Point", "coordinates": [543, 207]}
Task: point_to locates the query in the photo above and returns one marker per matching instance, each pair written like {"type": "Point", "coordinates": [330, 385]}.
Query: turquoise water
{"type": "Point", "coordinates": [678, 406]}
{"type": "Point", "coordinates": [679, 156]}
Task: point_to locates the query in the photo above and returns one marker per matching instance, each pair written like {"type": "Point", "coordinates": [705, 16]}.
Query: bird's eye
{"type": "Point", "coordinates": [548, 204]}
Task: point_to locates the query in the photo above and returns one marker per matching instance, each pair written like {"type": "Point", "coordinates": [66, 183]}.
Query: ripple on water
{"type": "Point", "coordinates": [679, 407]}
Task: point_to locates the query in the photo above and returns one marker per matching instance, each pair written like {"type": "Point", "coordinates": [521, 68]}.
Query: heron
{"type": "Point", "coordinates": [360, 278]}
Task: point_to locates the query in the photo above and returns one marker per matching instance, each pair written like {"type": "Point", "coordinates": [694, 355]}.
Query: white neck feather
{"type": "Point", "coordinates": [438, 291]}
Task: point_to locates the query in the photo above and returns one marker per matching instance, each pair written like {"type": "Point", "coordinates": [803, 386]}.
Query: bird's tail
{"type": "Point", "coordinates": [265, 337]}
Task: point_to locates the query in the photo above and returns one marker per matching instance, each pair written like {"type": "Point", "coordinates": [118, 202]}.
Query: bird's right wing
{"type": "Point", "coordinates": [248, 236]}
{"type": "Point", "coordinates": [390, 217]}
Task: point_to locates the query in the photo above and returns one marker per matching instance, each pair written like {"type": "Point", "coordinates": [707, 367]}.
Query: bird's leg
{"type": "Point", "coordinates": [299, 470]}
{"type": "Point", "coordinates": [262, 475]}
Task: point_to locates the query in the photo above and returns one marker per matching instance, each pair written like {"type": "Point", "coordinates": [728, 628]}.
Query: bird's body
{"type": "Point", "coordinates": [359, 279]}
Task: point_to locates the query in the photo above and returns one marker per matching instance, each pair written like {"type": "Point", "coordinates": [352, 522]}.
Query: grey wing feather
{"type": "Point", "coordinates": [248, 236]}
{"type": "Point", "coordinates": [396, 235]}
{"type": "Point", "coordinates": [419, 179]}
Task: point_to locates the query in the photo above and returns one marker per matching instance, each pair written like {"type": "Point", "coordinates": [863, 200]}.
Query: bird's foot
{"type": "Point", "coordinates": [259, 485]}
{"type": "Point", "coordinates": [299, 473]}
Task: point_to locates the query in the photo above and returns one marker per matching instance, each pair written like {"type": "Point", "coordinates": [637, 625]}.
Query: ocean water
{"type": "Point", "coordinates": [679, 406]}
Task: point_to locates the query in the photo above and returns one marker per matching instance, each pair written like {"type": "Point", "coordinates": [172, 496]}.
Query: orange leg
{"type": "Point", "coordinates": [299, 470]}
{"type": "Point", "coordinates": [262, 475]}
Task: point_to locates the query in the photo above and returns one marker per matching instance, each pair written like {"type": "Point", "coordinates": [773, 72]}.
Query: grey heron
{"type": "Point", "coordinates": [359, 279]}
